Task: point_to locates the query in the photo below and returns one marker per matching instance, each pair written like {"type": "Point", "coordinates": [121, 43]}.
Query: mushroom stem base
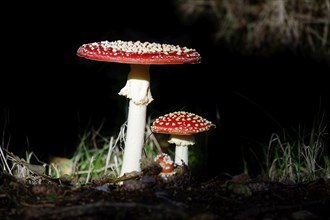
{"type": "Point", "coordinates": [136, 123]}
{"type": "Point", "coordinates": [181, 155]}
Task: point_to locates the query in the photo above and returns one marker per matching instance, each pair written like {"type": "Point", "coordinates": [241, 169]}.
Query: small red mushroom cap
{"type": "Point", "coordinates": [138, 53]}
{"type": "Point", "coordinates": [165, 161]}
{"type": "Point", "coordinates": [181, 123]}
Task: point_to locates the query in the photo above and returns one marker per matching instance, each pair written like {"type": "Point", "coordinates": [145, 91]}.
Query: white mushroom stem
{"type": "Point", "coordinates": [182, 142]}
{"type": "Point", "coordinates": [181, 155]}
{"type": "Point", "coordinates": [138, 91]}
{"type": "Point", "coordinates": [136, 123]}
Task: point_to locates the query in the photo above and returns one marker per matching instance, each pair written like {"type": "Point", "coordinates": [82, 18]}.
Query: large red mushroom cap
{"type": "Point", "coordinates": [181, 123]}
{"type": "Point", "coordinates": [138, 53]}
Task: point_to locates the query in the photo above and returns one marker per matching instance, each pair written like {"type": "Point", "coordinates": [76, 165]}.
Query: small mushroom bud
{"type": "Point", "coordinates": [165, 162]}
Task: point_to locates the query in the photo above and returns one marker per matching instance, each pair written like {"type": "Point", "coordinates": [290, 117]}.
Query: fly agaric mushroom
{"type": "Point", "coordinates": [167, 164]}
{"type": "Point", "coordinates": [140, 55]}
{"type": "Point", "coordinates": [165, 161]}
{"type": "Point", "coordinates": [181, 126]}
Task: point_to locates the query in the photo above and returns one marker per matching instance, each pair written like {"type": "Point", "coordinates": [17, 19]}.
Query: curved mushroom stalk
{"type": "Point", "coordinates": [137, 89]}
{"type": "Point", "coordinates": [136, 123]}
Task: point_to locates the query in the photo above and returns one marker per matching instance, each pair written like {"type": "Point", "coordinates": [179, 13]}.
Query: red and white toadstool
{"type": "Point", "coordinates": [140, 55]}
{"type": "Point", "coordinates": [167, 164]}
{"type": "Point", "coordinates": [165, 161]}
{"type": "Point", "coordinates": [181, 126]}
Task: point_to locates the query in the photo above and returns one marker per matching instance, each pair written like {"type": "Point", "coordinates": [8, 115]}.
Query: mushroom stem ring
{"type": "Point", "coordinates": [137, 87]}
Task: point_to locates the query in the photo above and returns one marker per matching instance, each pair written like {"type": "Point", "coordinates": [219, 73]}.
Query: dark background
{"type": "Point", "coordinates": [50, 97]}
